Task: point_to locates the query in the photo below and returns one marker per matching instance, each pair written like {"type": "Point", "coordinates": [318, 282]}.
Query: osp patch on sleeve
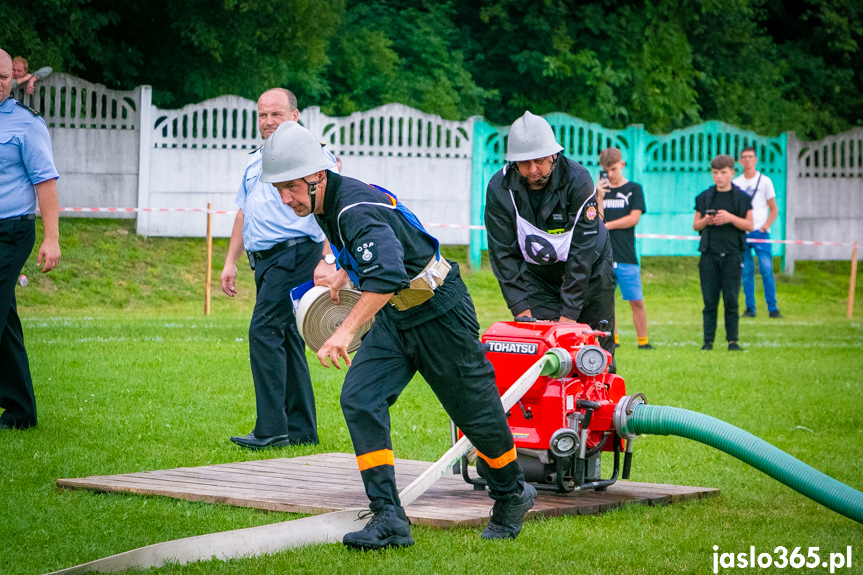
{"type": "Point", "coordinates": [590, 213]}
{"type": "Point", "coordinates": [366, 252]}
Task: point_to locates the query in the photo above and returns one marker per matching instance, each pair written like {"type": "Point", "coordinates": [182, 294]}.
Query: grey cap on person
{"type": "Point", "coordinates": [531, 138]}
{"type": "Point", "coordinates": [292, 152]}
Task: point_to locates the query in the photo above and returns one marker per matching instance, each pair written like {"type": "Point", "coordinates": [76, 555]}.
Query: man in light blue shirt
{"type": "Point", "coordinates": [285, 251]}
{"type": "Point", "coordinates": [26, 172]}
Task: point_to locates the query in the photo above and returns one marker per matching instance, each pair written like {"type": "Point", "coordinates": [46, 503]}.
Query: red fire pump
{"type": "Point", "coordinates": [564, 422]}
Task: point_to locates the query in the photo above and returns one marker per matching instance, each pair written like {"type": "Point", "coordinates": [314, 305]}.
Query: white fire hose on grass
{"type": "Point", "coordinates": [269, 539]}
{"type": "Point", "coordinates": [325, 528]}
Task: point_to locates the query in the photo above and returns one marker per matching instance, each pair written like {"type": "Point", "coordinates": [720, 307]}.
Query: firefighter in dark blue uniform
{"type": "Point", "coordinates": [424, 321]}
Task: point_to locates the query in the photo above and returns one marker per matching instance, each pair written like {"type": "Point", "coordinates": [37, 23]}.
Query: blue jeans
{"type": "Point", "coordinates": [764, 253]}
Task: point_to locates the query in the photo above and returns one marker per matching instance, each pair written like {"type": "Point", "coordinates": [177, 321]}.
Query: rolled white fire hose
{"type": "Point", "coordinates": [318, 316]}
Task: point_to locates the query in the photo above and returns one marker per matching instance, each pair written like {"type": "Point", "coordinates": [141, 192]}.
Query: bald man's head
{"type": "Point", "coordinates": [5, 75]}
{"type": "Point", "coordinates": [280, 95]}
{"type": "Point", "coordinates": [274, 107]}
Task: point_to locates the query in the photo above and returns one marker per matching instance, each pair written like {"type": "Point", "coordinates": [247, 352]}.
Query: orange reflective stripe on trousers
{"type": "Point", "coordinates": [501, 461]}
{"type": "Point", "coordinates": [376, 458]}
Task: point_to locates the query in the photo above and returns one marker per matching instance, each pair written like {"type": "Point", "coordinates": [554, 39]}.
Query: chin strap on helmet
{"type": "Point", "coordinates": [544, 179]}
{"type": "Point", "coordinates": [313, 187]}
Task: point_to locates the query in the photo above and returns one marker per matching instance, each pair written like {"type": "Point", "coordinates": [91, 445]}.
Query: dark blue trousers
{"type": "Point", "coordinates": [283, 388]}
{"type": "Point", "coordinates": [447, 353]}
{"type": "Point", "coordinates": [765, 266]}
{"type": "Point", "coordinates": [16, 387]}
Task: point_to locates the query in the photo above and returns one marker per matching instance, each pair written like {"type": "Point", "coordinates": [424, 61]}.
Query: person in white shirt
{"type": "Point", "coordinates": [764, 211]}
{"type": "Point", "coordinates": [284, 251]}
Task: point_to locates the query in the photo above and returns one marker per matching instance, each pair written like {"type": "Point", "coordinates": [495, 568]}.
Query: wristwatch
{"type": "Point", "coordinates": [329, 259]}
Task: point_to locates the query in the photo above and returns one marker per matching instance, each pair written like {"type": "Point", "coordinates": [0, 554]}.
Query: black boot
{"type": "Point", "coordinates": [389, 527]}
{"type": "Point", "coordinates": [507, 515]}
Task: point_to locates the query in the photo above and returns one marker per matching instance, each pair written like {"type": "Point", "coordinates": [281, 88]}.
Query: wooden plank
{"type": "Point", "coordinates": [344, 467]}
{"type": "Point", "coordinates": [676, 493]}
{"type": "Point", "coordinates": [316, 474]}
{"type": "Point", "coordinates": [253, 480]}
{"type": "Point", "coordinates": [331, 481]}
{"type": "Point", "coordinates": [277, 467]}
{"type": "Point", "coordinates": [228, 490]}
{"type": "Point", "coordinates": [308, 505]}
{"type": "Point", "coordinates": [343, 462]}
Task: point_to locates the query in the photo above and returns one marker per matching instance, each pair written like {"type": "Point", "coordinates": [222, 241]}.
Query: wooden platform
{"type": "Point", "coordinates": [331, 481]}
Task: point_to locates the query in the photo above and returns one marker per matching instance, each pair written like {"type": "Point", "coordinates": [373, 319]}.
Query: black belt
{"type": "Point", "coordinates": [16, 218]}
{"type": "Point", "coordinates": [279, 247]}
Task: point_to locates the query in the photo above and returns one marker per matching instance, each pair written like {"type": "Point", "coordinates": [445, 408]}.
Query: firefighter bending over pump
{"type": "Point", "coordinates": [548, 247]}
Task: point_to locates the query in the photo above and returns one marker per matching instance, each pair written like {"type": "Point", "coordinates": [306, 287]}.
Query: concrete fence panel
{"type": "Point", "coordinates": [197, 155]}
{"type": "Point", "coordinates": [825, 195]}
{"type": "Point", "coordinates": [94, 136]}
{"type": "Point", "coordinates": [422, 158]}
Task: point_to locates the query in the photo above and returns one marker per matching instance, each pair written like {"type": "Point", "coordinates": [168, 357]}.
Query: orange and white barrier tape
{"type": "Point", "coordinates": [459, 226]}
{"type": "Point", "coordinates": [748, 240]}
{"type": "Point", "coordinates": [123, 210]}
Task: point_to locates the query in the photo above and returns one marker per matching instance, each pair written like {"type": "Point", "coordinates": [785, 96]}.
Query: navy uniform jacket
{"type": "Point", "coordinates": [389, 250]}
{"type": "Point", "coordinates": [569, 190]}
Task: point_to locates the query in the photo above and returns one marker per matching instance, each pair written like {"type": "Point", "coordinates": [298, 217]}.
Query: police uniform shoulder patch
{"type": "Point", "coordinates": [590, 213]}
{"type": "Point", "coordinates": [29, 109]}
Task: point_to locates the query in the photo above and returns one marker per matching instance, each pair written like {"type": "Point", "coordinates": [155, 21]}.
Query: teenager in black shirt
{"type": "Point", "coordinates": [622, 203]}
{"type": "Point", "coordinates": [723, 215]}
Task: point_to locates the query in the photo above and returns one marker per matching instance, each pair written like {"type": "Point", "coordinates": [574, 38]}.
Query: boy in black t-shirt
{"type": "Point", "coordinates": [621, 204]}
{"type": "Point", "coordinates": [723, 215]}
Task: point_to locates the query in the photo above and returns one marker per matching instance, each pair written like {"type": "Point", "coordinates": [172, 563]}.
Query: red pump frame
{"type": "Point", "coordinates": [515, 346]}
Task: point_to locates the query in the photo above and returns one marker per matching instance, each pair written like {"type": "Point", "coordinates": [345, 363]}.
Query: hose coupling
{"type": "Point", "coordinates": [623, 410]}
{"type": "Point", "coordinates": [564, 359]}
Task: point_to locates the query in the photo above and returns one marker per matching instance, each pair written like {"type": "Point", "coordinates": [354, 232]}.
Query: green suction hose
{"type": "Point", "coordinates": [638, 418]}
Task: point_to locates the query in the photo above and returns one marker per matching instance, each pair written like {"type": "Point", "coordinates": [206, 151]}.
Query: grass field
{"type": "Point", "coordinates": [130, 376]}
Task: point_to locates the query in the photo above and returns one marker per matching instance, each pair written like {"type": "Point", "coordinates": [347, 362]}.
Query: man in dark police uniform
{"type": "Point", "coordinates": [26, 172]}
{"type": "Point", "coordinates": [424, 321]}
{"type": "Point", "coordinates": [284, 252]}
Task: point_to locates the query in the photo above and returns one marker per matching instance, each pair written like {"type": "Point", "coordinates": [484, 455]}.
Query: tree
{"type": "Point", "coordinates": [401, 51]}
{"type": "Point", "coordinates": [188, 51]}
{"type": "Point", "coordinates": [608, 63]}
{"type": "Point", "coordinates": [667, 64]}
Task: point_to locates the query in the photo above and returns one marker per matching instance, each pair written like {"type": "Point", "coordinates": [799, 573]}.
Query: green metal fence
{"type": "Point", "coordinates": [673, 169]}
{"type": "Point", "coordinates": [677, 168]}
